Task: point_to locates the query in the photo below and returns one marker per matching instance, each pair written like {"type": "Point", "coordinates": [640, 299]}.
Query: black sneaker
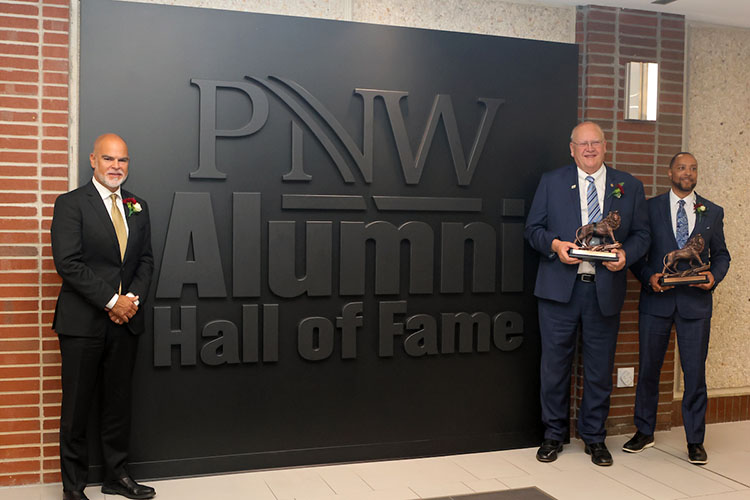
{"type": "Point", "coordinates": [638, 443]}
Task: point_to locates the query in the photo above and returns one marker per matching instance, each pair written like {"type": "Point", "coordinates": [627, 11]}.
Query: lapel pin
{"type": "Point", "coordinates": [573, 186]}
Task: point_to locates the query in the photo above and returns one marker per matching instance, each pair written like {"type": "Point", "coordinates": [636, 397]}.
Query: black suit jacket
{"type": "Point", "coordinates": [87, 258]}
{"type": "Point", "coordinates": [690, 302]}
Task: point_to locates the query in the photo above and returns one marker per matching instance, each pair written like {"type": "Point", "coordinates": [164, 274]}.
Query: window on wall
{"type": "Point", "coordinates": [641, 91]}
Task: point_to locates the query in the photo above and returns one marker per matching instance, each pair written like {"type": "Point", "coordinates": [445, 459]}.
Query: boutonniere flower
{"type": "Point", "coordinates": [132, 205]}
{"type": "Point", "coordinates": [699, 209]}
{"type": "Point", "coordinates": [618, 191]}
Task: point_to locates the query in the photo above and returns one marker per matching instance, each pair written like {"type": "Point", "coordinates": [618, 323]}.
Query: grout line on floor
{"type": "Point", "coordinates": [270, 489]}
{"type": "Point", "coordinates": [466, 470]}
{"type": "Point", "coordinates": [647, 477]}
{"type": "Point", "coordinates": [364, 480]}
{"type": "Point", "coordinates": [740, 483]}
{"type": "Point", "coordinates": [706, 471]}
{"type": "Point", "coordinates": [327, 484]}
{"type": "Point", "coordinates": [704, 468]}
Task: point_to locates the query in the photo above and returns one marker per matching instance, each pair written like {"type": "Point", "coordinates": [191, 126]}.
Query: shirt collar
{"type": "Point", "coordinates": [103, 191]}
{"type": "Point", "coordinates": [596, 175]}
{"type": "Point", "coordinates": [689, 199]}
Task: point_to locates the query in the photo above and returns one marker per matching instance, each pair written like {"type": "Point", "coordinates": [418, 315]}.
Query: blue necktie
{"type": "Point", "coordinates": [592, 201]}
{"type": "Point", "coordinates": [682, 225]}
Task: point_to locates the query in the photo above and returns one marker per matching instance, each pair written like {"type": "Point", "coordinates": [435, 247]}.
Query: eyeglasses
{"type": "Point", "coordinates": [593, 144]}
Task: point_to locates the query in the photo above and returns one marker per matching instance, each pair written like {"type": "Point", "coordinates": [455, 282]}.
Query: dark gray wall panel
{"type": "Point", "coordinates": [282, 332]}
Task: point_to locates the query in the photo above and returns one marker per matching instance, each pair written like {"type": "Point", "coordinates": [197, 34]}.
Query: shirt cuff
{"type": "Point", "coordinates": [130, 294]}
{"type": "Point", "coordinates": [112, 302]}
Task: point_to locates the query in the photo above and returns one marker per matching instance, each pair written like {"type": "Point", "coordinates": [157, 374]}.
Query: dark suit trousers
{"type": "Point", "coordinates": [559, 324]}
{"type": "Point", "coordinates": [692, 340]}
{"type": "Point", "coordinates": [95, 368]}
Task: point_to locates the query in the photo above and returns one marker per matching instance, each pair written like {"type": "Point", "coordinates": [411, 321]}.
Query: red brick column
{"type": "Point", "coordinates": [608, 39]}
{"type": "Point", "coordinates": [34, 39]}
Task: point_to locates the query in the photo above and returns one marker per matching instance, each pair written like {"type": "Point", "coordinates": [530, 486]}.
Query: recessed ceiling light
{"type": "Point", "coordinates": [663, 2]}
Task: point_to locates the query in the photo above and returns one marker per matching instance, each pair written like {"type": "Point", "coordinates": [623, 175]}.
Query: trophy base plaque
{"type": "Point", "coordinates": [683, 280]}
{"type": "Point", "coordinates": [593, 255]}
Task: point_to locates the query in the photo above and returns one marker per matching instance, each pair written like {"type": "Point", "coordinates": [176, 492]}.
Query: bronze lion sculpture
{"type": "Point", "coordinates": [690, 252]}
{"type": "Point", "coordinates": [605, 227]}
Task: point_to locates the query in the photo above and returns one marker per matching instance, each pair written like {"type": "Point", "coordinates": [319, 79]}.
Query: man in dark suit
{"type": "Point", "coordinates": [673, 217]}
{"type": "Point", "coordinates": [574, 294]}
{"type": "Point", "coordinates": [101, 244]}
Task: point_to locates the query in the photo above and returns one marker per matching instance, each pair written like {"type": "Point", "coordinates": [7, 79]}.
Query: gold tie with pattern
{"type": "Point", "coordinates": [119, 223]}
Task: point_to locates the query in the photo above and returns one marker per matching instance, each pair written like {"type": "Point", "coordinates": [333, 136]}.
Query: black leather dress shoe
{"type": "Point", "coordinates": [74, 495]}
{"type": "Point", "coordinates": [128, 488]}
{"type": "Point", "coordinates": [697, 454]}
{"type": "Point", "coordinates": [549, 450]}
{"type": "Point", "coordinates": [599, 454]}
{"type": "Point", "coordinates": [639, 442]}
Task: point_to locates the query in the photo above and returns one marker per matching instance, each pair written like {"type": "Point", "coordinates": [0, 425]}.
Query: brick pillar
{"type": "Point", "coordinates": [608, 38]}
{"type": "Point", "coordinates": [33, 171]}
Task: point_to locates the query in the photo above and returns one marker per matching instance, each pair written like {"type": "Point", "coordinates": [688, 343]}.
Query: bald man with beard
{"type": "Point", "coordinates": [101, 244]}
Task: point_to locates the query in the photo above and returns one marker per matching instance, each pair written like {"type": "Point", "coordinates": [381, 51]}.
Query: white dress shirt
{"type": "Point", "coordinates": [106, 194]}
{"type": "Point", "coordinates": [689, 210]}
{"type": "Point", "coordinates": [600, 181]}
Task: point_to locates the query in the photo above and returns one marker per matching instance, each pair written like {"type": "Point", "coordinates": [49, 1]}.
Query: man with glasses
{"type": "Point", "coordinates": [575, 294]}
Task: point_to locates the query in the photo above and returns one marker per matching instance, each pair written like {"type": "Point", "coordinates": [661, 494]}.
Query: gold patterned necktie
{"type": "Point", "coordinates": [119, 223]}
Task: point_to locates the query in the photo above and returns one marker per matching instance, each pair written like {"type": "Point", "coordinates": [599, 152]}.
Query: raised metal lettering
{"type": "Point", "coordinates": [191, 226]}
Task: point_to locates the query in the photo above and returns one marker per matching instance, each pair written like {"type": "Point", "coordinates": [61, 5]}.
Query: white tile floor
{"type": "Point", "coordinates": [660, 473]}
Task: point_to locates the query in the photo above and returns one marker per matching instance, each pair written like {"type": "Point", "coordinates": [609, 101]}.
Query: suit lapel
{"type": "Point", "coordinates": [99, 208]}
{"type": "Point", "coordinates": [700, 219]}
{"type": "Point", "coordinates": [575, 194]}
{"type": "Point", "coordinates": [609, 185]}
{"type": "Point", "coordinates": [130, 220]}
{"type": "Point", "coordinates": [665, 215]}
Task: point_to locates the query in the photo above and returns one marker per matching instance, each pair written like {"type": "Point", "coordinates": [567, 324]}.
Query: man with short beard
{"type": "Point", "coordinates": [674, 217]}
{"type": "Point", "coordinates": [101, 244]}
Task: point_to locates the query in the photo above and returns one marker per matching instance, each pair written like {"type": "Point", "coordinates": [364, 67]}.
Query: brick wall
{"type": "Point", "coordinates": [608, 39]}
{"type": "Point", "coordinates": [33, 171]}
{"type": "Point", "coordinates": [720, 409]}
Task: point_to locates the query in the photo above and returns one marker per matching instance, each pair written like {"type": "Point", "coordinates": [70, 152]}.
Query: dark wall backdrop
{"type": "Point", "coordinates": [224, 412]}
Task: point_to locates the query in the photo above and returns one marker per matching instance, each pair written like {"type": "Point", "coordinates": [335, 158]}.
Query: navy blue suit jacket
{"type": "Point", "coordinates": [556, 213]}
{"type": "Point", "coordinates": [690, 302]}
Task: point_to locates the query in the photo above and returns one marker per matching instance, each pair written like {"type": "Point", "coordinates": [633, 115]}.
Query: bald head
{"type": "Point", "coordinates": [110, 161]}
{"type": "Point", "coordinates": [106, 139]}
{"type": "Point", "coordinates": [586, 126]}
{"type": "Point", "coordinates": [588, 146]}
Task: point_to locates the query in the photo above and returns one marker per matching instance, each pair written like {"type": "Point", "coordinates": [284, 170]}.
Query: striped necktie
{"type": "Point", "coordinates": [682, 225]}
{"type": "Point", "coordinates": [592, 201]}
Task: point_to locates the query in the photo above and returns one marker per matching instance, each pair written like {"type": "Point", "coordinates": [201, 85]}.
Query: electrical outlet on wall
{"type": "Point", "coordinates": [625, 377]}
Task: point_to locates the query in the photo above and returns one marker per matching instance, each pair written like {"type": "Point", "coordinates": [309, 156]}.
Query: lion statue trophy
{"type": "Point", "coordinates": [604, 229]}
{"type": "Point", "coordinates": [691, 252]}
